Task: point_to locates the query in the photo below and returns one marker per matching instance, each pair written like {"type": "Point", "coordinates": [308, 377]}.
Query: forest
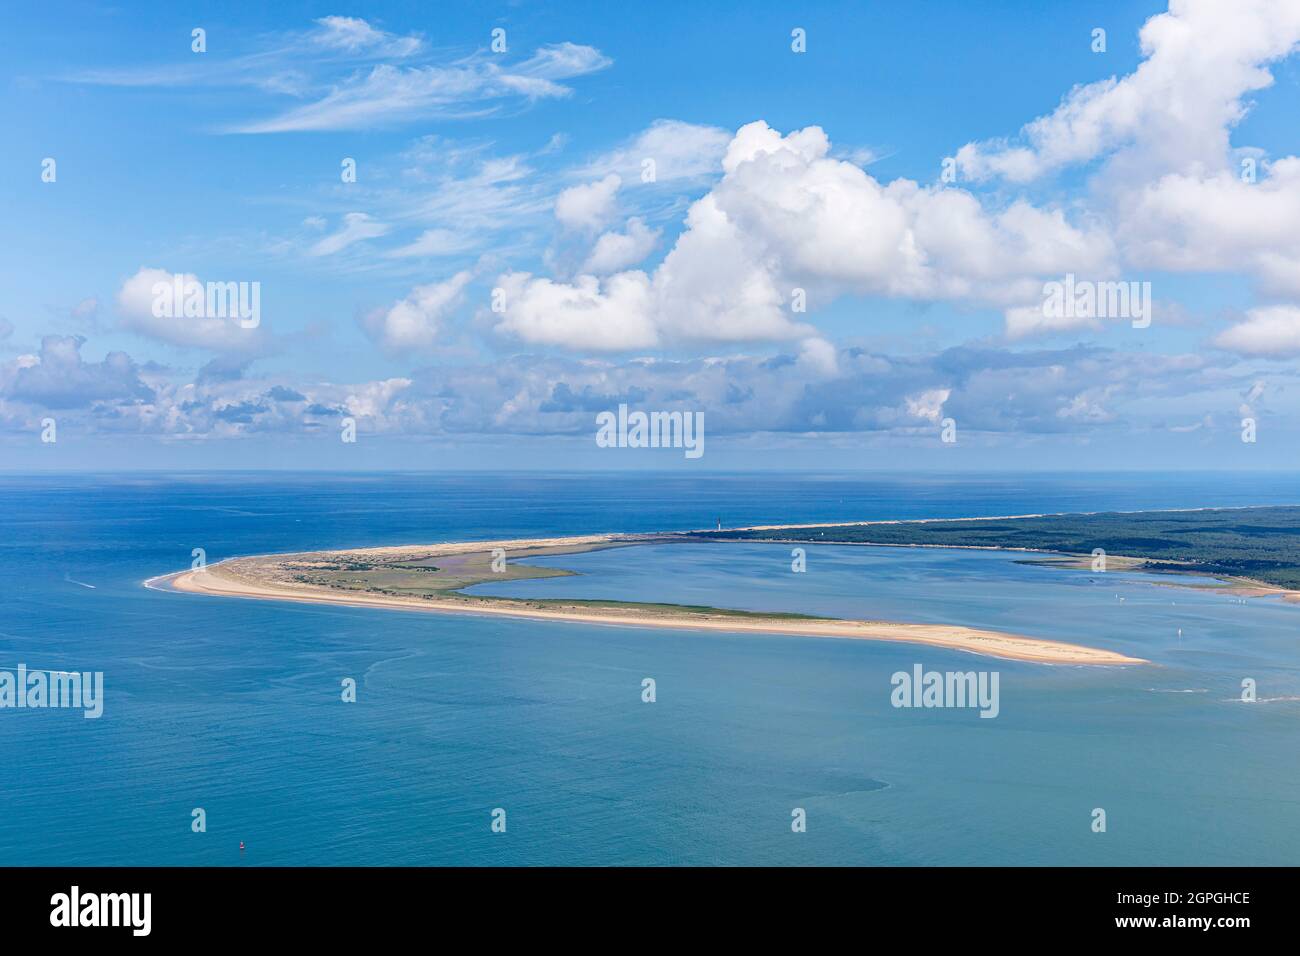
{"type": "Point", "coordinates": [1258, 543]}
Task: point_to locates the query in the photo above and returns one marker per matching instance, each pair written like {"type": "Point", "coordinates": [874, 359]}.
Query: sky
{"type": "Point", "coordinates": [833, 230]}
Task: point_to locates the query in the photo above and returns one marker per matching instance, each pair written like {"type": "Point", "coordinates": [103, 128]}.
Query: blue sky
{"type": "Point", "coordinates": [522, 171]}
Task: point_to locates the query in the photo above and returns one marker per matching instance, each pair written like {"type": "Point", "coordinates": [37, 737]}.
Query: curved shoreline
{"type": "Point", "coordinates": [254, 577]}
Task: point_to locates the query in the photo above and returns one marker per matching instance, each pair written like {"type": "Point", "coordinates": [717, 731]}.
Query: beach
{"type": "Point", "coordinates": [276, 577]}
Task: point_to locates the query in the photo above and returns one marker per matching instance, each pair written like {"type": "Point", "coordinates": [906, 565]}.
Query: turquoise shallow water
{"type": "Point", "coordinates": [234, 706]}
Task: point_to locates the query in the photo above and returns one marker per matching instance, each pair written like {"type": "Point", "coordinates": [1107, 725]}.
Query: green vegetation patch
{"type": "Point", "coordinates": [1258, 543]}
{"type": "Point", "coordinates": [677, 608]}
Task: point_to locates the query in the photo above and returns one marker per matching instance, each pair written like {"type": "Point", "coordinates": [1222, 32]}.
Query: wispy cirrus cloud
{"type": "Point", "coordinates": [390, 94]}
{"type": "Point", "coordinates": [356, 227]}
{"type": "Point", "coordinates": [282, 64]}
{"type": "Point", "coordinates": [677, 151]}
{"type": "Point", "coordinates": [353, 75]}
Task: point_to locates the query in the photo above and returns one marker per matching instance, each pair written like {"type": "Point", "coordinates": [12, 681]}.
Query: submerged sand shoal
{"type": "Point", "coordinates": [279, 577]}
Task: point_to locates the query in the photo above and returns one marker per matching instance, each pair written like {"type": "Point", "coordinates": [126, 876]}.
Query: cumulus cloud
{"type": "Point", "coordinates": [1032, 321]}
{"type": "Point", "coordinates": [414, 322]}
{"type": "Point", "coordinates": [587, 206]}
{"type": "Point", "coordinates": [608, 315]}
{"type": "Point", "coordinates": [1218, 223]}
{"type": "Point", "coordinates": [813, 390]}
{"type": "Point", "coordinates": [137, 301]}
{"type": "Point", "coordinates": [927, 405]}
{"type": "Point", "coordinates": [615, 251]}
{"type": "Point", "coordinates": [819, 357]}
{"type": "Point", "coordinates": [1200, 59]}
{"type": "Point", "coordinates": [828, 222]}
{"type": "Point", "coordinates": [1170, 187]}
{"type": "Point", "coordinates": [1269, 331]}
{"type": "Point", "coordinates": [58, 378]}
{"type": "Point", "coordinates": [788, 215]}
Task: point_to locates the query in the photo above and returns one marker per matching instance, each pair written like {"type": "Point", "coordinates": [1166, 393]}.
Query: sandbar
{"type": "Point", "coordinates": [429, 578]}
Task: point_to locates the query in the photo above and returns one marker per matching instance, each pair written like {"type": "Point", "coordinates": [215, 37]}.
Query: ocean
{"type": "Point", "coordinates": [235, 707]}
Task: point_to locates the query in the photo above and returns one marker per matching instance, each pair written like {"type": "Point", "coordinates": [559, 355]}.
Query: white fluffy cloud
{"type": "Point", "coordinates": [715, 286]}
{"type": "Point", "coordinates": [819, 357]}
{"type": "Point", "coordinates": [828, 222]}
{"type": "Point", "coordinates": [414, 322]}
{"type": "Point", "coordinates": [1025, 321]}
{"type": "Point", "coordinates": [787, 215]}
{"type": "Point", "coordinates": [927, 405]}
{"type": "Point", "coordinates": [609, 315]}
{"type": "Point", "coordinates": [1271, 330]}
{"type": "Point", "coordinates": [1218, 223]}
{"type": "Point", "coordinates": [1170, 187]}
{"type": "Point", "coordinates": [588, 206]}
{"type": "Point", "coordinates": [139, 294]}
{"type": "Point", "coordinates": [1176, 109]}
{"type": "Point", "coordinates": [615, 251]}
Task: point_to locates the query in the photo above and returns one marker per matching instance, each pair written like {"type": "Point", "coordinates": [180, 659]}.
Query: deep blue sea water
{"type": "Point", "coordinates": [234, 706]}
